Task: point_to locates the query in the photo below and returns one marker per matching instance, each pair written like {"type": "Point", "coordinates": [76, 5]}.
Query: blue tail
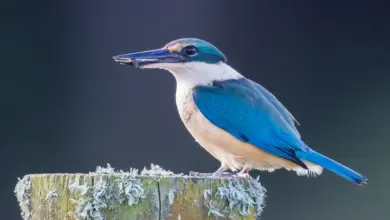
{"type": "Point", "coordinates": [327, 163]}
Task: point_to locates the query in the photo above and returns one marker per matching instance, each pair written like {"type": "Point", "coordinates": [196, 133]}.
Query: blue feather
{"type": "Point", "coordinates": [252, 114]}
{"type": "Point", "coordinates": [333, 166]}
{"type": "Point", "coordinates": [278, 105]}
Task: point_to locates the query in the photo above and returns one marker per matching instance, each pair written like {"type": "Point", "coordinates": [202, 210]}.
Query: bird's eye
{"type": "Point", "coordinates": [190, 51]}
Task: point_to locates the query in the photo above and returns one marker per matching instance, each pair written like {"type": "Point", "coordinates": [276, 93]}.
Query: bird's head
{"type": "Point", "coordinates": [174, 54]}
{"type": "Point", "coordinates": [192, 61]}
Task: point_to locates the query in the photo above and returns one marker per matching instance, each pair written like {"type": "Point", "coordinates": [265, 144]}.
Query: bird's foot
{"type": "Point", "coordinates": [220, 171]}
{"type": "Point", "coordinates": [242, 175]}
{"type": "Point", "coordinates": [215, 174]}
{"type": "Point", "coordinates": [197, 174]}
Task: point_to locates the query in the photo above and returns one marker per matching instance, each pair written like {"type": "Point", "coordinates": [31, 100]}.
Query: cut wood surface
{"type": "Point", "coordinates": [130, 195]}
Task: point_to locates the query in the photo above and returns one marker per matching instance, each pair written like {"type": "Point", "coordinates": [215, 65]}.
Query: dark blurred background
{"type": "Point", "coordinates": [67, 107]}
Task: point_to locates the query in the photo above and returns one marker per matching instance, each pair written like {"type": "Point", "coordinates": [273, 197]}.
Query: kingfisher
{"type": "Point", "coordinates": [236, 120]}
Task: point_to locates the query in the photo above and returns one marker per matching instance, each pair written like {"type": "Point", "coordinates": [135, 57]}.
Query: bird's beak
{"type": "Point", "coordinates": [139, 59]}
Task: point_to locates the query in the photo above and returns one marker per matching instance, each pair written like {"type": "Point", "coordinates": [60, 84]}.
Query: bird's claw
{"type": "Point", "coordinates": [197, 174]}
{"type": "Point", "coordinates": [242, 175]}
{"type": "Point", "coordinates": [216, 174]}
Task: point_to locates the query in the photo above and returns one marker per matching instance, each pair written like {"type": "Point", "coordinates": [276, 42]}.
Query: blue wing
{"type": "Point", "coordinates": [250, 113]}
{"type": "Point", "coordinates": [288, 117]}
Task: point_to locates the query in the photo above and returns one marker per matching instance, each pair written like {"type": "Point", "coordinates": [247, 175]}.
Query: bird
{"type": "Point", "coordinates": [238, 121]}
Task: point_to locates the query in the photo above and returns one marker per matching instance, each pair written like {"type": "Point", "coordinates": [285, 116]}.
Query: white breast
{"type": "Point", "coordinates": [205, 133]}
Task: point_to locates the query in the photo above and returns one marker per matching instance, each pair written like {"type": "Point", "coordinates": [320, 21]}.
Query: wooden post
{"type": "Point", "coordinates": [129, 195]}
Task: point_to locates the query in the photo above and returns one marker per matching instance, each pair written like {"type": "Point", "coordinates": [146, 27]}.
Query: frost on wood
{"type": "Point", "coordinates": [238, 196]}
{"type": "Point", "coordinates": [22, 192]}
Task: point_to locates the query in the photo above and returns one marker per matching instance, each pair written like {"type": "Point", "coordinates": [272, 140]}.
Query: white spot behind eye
{"type": "Point", "coordinates": [176, 48]}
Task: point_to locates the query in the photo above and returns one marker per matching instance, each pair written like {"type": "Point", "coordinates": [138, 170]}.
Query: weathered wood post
{"type": "Point", "coordinates": [151, 194]}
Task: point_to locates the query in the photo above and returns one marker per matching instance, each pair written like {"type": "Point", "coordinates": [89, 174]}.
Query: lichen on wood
{"type": "Point", "coordinates": [22, 192]}
{"type": "Point", "coordinates": [153, 193]}
{"type": "Point", "coordinates": [243, 196]}
{"type": "Point", "coordinates": [109, 188]}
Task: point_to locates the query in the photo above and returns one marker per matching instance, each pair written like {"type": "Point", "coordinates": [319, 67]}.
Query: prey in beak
{"type": "Point", "coordinates": [143, 58]}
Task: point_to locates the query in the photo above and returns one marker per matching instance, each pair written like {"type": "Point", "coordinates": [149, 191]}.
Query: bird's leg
{"type": "Point", "coordinates": [244, 172]}
{"type": "Point", "coordinates": [197, 174]}
{"type": "Point", "coordinates": [220, 172]}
